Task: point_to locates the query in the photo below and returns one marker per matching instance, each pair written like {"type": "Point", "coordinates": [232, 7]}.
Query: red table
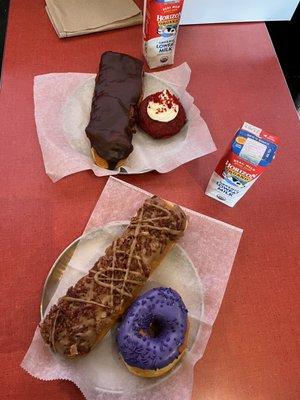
{"type": "Point", "coordinates": [252, 353]}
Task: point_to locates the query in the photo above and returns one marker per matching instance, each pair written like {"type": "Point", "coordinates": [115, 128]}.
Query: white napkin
{"type": "Point", "coordinates": [200, 277]}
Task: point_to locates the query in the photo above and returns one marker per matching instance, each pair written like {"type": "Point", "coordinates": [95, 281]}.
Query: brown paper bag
{"type": "Point", "coordinates": [80, 17]}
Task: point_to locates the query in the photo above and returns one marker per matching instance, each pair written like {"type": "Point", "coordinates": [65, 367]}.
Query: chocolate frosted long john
{"type": "Point", "coordinates": [91, 307]}
{"type": "Point", "coordinates": [118, 89]}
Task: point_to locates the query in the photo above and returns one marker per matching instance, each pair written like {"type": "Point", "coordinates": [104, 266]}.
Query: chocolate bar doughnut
{"type": "Point", "coordinates": [91, 307]}
{"type": "Point", "coordinates": [118, 89]}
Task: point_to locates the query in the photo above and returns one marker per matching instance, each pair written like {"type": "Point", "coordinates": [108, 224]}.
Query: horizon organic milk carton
{"type": "Point", "coordinates": [160, 27]}
{"type": "Point", "coordinates": [251, 151]}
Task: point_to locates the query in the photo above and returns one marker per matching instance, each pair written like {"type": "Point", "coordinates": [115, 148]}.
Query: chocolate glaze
{"type": "Point", "coordinates": [118, 88]}
{"type": "Point", "coordinates": [139, 347]}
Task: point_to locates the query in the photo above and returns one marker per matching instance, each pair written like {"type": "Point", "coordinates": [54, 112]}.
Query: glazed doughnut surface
{"type": "Point", "coordinates": [153, 332]}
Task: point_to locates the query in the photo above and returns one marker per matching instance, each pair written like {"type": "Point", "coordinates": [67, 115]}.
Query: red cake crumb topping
{"type": "Point", "coordinates": [167, 100]}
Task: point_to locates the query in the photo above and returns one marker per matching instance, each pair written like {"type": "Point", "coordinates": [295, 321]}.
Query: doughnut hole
{"type": "Point", "coordinates": [153, 330]}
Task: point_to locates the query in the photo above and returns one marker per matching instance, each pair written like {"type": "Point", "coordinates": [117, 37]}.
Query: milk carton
{"type": "Point", "coordinates": [251, 151]}
{"type": "Point", "coordinates": [160, 28]}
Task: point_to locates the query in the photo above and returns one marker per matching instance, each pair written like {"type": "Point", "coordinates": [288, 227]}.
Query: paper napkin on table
{"type": "Point", "coordinates": [62, 111]}
{"type": "Point", "coordinates": [80, 17]}
{"type": "Point", "coordinates": [210, 247]}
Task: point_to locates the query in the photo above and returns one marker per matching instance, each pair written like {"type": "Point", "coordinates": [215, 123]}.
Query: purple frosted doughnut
{"type": "Point", "coordinates": [153, 329]}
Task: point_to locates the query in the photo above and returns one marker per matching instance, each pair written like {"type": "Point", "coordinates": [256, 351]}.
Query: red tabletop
{"type": "Point", "coordinates": [252, 353]}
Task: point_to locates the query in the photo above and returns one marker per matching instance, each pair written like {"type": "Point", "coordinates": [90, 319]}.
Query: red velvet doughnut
{"type": "Point", "coordinates": [157, 129]}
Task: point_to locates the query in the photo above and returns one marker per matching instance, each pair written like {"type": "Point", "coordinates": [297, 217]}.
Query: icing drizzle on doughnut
{"type": "Point", "coordinates": [79, 316]}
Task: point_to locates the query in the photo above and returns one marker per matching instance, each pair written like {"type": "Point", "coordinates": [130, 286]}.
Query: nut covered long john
{"type": "Point", "coordinates": [91, 307]}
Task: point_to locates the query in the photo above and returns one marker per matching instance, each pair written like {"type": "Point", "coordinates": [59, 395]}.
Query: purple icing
{"type": "Point", "coordinates": [153, 329]}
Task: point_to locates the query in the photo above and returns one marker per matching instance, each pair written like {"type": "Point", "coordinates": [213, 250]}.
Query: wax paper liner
{"type": "Point", "coordinates": [211, 246]}
{"type": "Point", "coordinates": [62, 109]}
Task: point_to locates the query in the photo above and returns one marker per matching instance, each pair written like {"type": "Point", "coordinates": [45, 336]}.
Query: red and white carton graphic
{"type": "Point", "coordinates": [160, 28]}
{"type": "Point", "coordinates": [251, 152]}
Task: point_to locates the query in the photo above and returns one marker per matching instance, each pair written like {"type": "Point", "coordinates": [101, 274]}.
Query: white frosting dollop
{"type": "Point", "coordinates": [165, 109]}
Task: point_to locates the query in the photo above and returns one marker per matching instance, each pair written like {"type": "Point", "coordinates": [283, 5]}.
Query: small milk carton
{"type": "Point", "coordinates": [251, 151]}
{"type": "Point", "coordinates": [160, 28]}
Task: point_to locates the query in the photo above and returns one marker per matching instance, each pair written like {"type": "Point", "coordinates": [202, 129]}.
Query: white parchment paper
{"type": "Point", "coordinates": [198, 268]}
{"type": "Point", "coordinates": [62, 109]}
